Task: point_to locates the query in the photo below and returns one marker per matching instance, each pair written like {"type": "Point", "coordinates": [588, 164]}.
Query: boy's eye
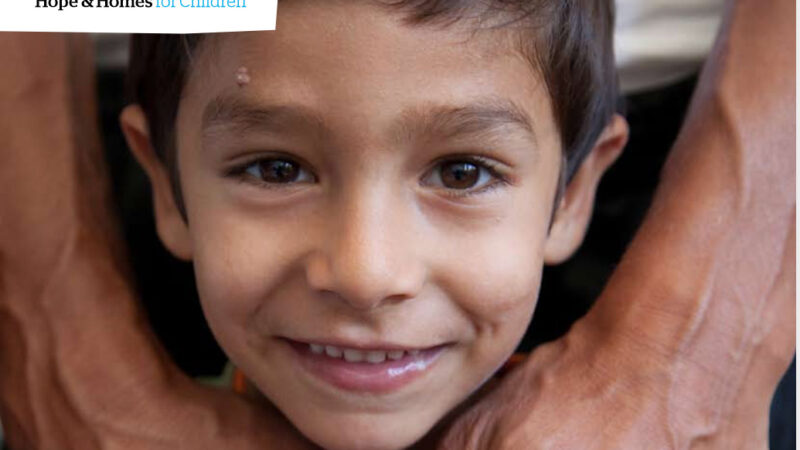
{"type": "Point", "coordinates": [468, 175]}
{"type": "Point", "coordinates": [459, 175]}
{"type": "Point", "coordinates": [277, 170]}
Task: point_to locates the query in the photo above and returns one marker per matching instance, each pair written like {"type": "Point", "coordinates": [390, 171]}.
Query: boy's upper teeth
{"type": "Point", "coordinates": [395, 354]}
{"type": "Point", "coordinates": [351, 355]}
{"type": "Point", "coordinates": [333, 352]}
{"type": "Point", "coordinates": [355, 355]}
{"type": "Point", "coordinates": [376, 356]}
{"type": "Point", "coordinates": [316, 348]}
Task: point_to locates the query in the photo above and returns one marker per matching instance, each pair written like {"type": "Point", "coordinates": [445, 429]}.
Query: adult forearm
{"type": "Point", "coordinates": [704, 285]}
{"type": "Point", "coordinates": [690, 336]}
{"type": "Point", "coordinates": [80, 367]}
{"type": "Point", "coordinates": [72, 337]}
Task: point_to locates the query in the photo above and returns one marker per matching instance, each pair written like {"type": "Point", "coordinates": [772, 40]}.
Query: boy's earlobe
{"type": "Point", "coordinates": [172, 229]}
{"type": "Point", "coordinates": [575, 209]}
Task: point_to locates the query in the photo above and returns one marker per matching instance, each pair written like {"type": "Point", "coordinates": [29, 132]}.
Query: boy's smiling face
{"type": "Point", "coordinates": [381, 189]}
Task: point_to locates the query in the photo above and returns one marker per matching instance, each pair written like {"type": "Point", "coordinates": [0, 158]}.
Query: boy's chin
{"type": "Point", "coordinates": [365, 431]}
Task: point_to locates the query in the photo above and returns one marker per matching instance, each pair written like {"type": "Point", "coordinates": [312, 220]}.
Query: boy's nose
{"type": "Point", "coordinates": [368, 256]}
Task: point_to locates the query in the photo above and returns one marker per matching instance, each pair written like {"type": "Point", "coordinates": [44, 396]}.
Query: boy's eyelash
{"type": "Point", "coordinates": [239, 172]}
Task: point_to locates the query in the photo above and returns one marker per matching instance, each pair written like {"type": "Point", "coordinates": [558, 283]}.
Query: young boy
{"type": "Point", "coordinates": [368, 194]}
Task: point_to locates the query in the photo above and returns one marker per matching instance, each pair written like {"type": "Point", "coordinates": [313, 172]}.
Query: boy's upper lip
{"type": "Point", "coordinates": [363, 345]}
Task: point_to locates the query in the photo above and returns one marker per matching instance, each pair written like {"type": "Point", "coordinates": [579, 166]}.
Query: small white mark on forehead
{"type": "Point", "coordinates": [242, 76]}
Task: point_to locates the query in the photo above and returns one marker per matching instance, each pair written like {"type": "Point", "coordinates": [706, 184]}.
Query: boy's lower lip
{"type": "Point", "coordinates": [366, 377]}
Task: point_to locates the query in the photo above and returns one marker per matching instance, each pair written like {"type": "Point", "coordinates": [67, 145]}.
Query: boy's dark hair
{"type": "Point", "coordinates": [571, 45]}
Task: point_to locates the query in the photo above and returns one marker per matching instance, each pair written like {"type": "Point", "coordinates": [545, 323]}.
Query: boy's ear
{"type": "Point", "coordinates": [172, 229]}
{"type": "Point", "coordinates": [575, 208]}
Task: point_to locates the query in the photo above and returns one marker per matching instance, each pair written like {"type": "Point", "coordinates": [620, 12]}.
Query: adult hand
{"type": "Point", "coordinates": [600, 387]}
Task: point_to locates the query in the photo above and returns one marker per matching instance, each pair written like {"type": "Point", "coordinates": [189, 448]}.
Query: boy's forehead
{"type": "Point", "coordinates": [362, 34]}
{"type": "Point", "coordinates": [366, 60]}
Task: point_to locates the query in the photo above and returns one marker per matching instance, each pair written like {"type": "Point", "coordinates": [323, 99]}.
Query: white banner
{"type": "Point", "coordinates": [138, 16]}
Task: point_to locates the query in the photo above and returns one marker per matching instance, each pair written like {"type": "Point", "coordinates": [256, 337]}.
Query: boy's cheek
{"type": "Point", "coordinates": [232, 280]}
{"type": "Point", "coordinates": [234, 257]}
{"type": "Point", "coordinates": [494, 277]}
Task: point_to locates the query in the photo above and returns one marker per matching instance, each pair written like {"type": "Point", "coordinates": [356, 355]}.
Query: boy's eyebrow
{"type": "Point", "coordinates": [485, 117]}
{"type": "Point", "coordinates": [239, 115]}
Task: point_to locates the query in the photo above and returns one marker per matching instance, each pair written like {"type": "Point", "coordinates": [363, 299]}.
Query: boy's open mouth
{"type": "Point", "coordinates": [369, 370]}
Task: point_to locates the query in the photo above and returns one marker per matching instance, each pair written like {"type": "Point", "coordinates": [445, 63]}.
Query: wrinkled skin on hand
{"type": "Point", "coordinates": [596, 392]}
